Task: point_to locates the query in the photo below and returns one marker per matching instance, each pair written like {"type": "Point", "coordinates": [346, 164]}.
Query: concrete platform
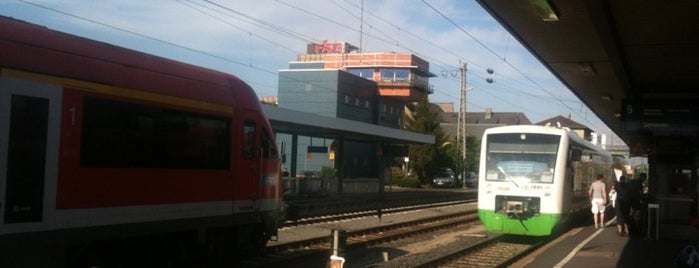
{"type": "Point", "coordinates": [581, 247]}
{"type": "Point", "coordinates": [589, 247]}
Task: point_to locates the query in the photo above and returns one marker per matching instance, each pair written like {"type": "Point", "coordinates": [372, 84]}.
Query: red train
{"type": "Point", "coordinates": [106, 150]}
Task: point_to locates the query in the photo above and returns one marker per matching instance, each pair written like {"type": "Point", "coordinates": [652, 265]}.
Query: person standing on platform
{"type": "Point", "coordinates": [636, 201]}
{"type": "Point", "coordinates": [623, 205]}
{"type": "Point", "coordinates": [598, 197]}
{"type": "Point", "coordinates": [612, 196]}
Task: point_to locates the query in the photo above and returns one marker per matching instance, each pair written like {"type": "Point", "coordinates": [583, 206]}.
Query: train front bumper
{"type": "Point", "coordinates": [541, 225]}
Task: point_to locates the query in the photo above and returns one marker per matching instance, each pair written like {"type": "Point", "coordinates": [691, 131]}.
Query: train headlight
{"type": "Point", "coordinates": [489, 189]}
{"type": "Point", "coordinates": [547, 191]}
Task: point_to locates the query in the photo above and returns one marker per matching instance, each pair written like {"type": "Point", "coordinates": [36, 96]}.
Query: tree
{"type": "Point", "coordinates": [425, 159]}
{"type": "Point", "coordinates": [473, 152]}
{"type": "Point", "coordinates": [453, 151]}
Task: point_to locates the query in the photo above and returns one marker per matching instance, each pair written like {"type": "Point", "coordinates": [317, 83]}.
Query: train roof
{"type": "Point", "coordinates": [526, 128]}
{"type": "Point", "coordinates": [545, 130]}
{"type": "Point", "coordinates": [68, 56]}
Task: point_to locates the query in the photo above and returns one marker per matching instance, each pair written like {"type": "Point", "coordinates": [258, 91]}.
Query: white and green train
{"type": "Point", "coordinates": [533, 177]}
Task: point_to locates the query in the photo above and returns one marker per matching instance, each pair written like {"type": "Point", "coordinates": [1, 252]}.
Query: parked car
{"type": "Point", "coordinates": [308, 175]}
{"type": "Point", "coordinates": [471, 180]}
{"type": "Point", "coordinates": [445, 179]}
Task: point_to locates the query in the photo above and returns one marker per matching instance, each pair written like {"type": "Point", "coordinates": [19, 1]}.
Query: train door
{"type": "Point", "coordinates": [270, 182]}
{"type": "Point", "coordinates": [29, 129]}
{"type": "Point", "coordinates": [260, 164]}
{"type": "Point", "coordinates": [248, 173]}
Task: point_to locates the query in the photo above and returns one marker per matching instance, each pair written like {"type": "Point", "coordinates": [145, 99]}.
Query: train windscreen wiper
{"type": "Point", "coordinates": [503, 172]}
{"type": "Point", "coordinates": [508, 176]}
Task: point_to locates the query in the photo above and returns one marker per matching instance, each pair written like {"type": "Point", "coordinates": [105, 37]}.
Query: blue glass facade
{"type": "Point", "coordinates": [332, 93]}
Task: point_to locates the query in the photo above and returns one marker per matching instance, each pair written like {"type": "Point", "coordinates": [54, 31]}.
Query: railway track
{"type": "Point", "coordinates": [486, 251]}
{"type": "Point", "coordinates": [368, 213]}
{"type": "Point", "coordinates": [300, 210]}
{"type": "Point", "coordinates": [496, 251]}
{"type": "Point", "coordinates": [316, 250]}
{"type": "Point", "coordinates": [489, 250]}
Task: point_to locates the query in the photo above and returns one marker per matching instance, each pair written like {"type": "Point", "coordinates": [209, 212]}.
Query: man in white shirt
{"type": "Point", "coordinates": [598, 197]}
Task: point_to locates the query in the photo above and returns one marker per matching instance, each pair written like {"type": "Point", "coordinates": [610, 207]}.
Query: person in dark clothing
{"type": "Point", "coordinates": [636, 190]}
{"type": "Point", "coordinates": [636, 202]}
{"type": "Point", "coordinates": [623, 205]}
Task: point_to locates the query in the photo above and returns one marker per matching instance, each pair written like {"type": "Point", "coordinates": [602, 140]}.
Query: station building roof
{"type": "Point", "coordinates": [307, 124]}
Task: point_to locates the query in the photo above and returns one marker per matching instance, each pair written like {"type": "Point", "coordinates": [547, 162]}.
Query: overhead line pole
{"type": "Point", "coordinates": [461, 124]}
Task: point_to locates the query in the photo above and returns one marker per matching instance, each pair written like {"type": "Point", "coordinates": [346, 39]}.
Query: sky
{"type": "Point", "coordinates": [255, 39]}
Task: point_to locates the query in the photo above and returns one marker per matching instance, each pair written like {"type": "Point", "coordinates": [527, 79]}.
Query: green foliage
{"type": "Point", "coordinates": [407, 182]}
{"type": "Point", "coordinates": [425, 159]}
{"type": "Point", "coordinates": [473, 148]}
{"type": "Point", "coordinates": [327, 172]}
{"type": "Point", "coordinates": [473, 152]}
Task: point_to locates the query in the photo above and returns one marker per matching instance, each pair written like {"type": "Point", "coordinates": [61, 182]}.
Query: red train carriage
{"type": "Point", "coordinates": [100, 144]}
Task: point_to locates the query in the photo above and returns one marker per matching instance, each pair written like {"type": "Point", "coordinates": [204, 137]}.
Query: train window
{"type": "Point", "coordinates": [269, 147]}
{"type": "Point", "coordinates": [521, 158]}
{"type": "Point", "coordinates": [128, 135]}
{"type": "Point", "coordinates": [249, 139]}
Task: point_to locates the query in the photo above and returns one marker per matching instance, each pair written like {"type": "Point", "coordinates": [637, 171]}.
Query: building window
{"type": "Point", "coordinates": [357, 101]}
{"type": "Point", "coordinates": [367, 73]}
{"type": "Point", "coordinates": [347, 99]}
{"type": "Point", "coordinates": [395, 74]}
{"type": "Point", "coordinates": [366, 104]}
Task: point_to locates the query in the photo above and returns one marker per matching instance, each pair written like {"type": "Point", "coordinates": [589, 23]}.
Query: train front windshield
{"type": "Point", "coordinates": [521, 157]}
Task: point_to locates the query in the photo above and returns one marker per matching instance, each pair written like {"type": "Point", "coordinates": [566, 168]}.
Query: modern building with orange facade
{"type": "Point", "coordinates": [402, 76]}
{"type": "Point", "coordinates": [335, 79]}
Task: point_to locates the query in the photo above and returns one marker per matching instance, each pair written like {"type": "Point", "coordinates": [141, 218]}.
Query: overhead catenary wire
{"type": "Point", "coordinates": [199, 7]}
{"type": "Point", "coordinates": [384, 38]}
{"type": "Point", "coordinates": [447, 66]}
{"type": "Point", "coordinates": [238, 62]}
{"type": "Point", "coordinates": [397, 43]}
{"type": "Point", "coordinates": [496, 54]}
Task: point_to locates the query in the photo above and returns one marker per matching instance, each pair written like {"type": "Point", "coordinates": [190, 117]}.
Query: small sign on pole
{"type": "Point", "coordinates": [336, 262]}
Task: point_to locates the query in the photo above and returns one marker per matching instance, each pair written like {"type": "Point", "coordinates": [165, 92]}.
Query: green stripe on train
{"type": "Point", "coordinates": [540, 225]}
